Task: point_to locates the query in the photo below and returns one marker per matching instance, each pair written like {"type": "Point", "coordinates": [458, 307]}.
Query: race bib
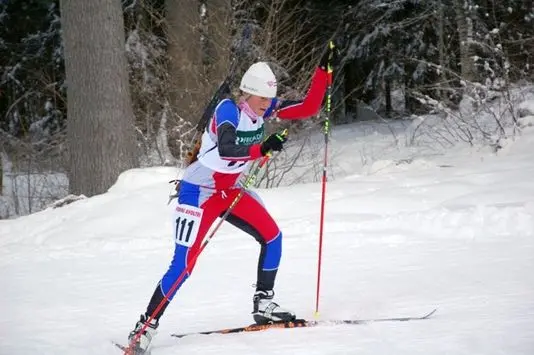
{"type": "Point", "coordinates": [186, 223]}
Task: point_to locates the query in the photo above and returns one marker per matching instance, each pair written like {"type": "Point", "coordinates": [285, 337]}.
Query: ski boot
{"type": "Point", "coordinates": [266, 311]}
{"type": "Point", "coordinates": [142, 344]}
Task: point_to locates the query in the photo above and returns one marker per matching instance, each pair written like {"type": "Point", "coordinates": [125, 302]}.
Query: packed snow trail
{"type": "Point", "coordinates": [454, 232]}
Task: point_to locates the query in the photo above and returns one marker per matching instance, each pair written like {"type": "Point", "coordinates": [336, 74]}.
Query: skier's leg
{"type": "Point", "coordinates": [265, 277]}
{"type": "Point", "coordinates": [194, 212]}
{"type": "Point", "coordinates": [188, 237]}
{"type": "Point", "coordinates": [251, 216]}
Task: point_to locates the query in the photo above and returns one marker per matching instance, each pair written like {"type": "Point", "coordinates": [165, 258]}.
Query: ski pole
{"type": "Point", "coordinates": [251, 178]}
{"type": "Point", "coordinates": [326, 131]}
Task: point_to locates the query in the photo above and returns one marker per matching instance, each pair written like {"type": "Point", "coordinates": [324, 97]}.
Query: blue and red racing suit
{"type": "Point", "coordinates": [230, 143]}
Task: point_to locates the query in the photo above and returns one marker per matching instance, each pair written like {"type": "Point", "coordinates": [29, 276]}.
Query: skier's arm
{"type": "Point", "coordinates": [310, 105]}
{"type": "Point", "coordinates": [225, 123]}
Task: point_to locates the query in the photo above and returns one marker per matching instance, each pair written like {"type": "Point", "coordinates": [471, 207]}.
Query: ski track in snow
{"type": "Point", "coordinates": [396, 243]}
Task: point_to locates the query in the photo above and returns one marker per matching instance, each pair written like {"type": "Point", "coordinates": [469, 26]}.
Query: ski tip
{"type": "Point", "coordinates": [431, 312]}
{"type": "Point", "coordinates": [126, 349]}
{"type": "Point", "coordinates": [120, 346]}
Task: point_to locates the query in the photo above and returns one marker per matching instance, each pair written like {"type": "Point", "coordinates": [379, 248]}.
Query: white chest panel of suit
{"type": "Point", "coordinates": [247, 132]}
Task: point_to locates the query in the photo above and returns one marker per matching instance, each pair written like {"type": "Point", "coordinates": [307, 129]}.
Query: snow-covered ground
{"type": "Point", "coordinates": [453, 231]}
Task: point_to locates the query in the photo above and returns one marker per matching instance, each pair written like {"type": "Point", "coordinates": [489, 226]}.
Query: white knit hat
{"type": "Point", "coordinates": [259, 80]}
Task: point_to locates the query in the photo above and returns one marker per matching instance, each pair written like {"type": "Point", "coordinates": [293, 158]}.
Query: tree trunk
{"type": "Point", "coordinates": [100, 131]}
{"type": "Point", "coordinates": [411, 104]}
{"type": "Point", "coordinates": [187, 83]}
{"type": "Point", "coordinates": [197, 43]}
{"type": "Point", "coordinates": [465, 33]}
{"type": "Point", "coordinates": [1, 175]}
{"type": "Point", "coordinates": [441, 48]}
{"type": "Point", "coordinates": [387, 93]}
{"type": "Point", "coordinates": [351, 88]}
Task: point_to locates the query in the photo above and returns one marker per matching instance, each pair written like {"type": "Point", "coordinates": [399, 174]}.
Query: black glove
{"type": "Point", "coordinates": [330, 56]}
{"type": "Point", "coordinates": [274, 142]}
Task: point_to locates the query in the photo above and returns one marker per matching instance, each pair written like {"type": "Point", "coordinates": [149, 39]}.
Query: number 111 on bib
{"type": "Point", "coordinates": [186, 224]}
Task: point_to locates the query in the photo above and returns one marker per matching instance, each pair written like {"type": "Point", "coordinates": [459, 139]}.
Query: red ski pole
{"type": "Point", "coordinates": [326, 131]}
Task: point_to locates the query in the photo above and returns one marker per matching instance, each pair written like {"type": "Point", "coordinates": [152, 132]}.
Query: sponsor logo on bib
{"type": "Point", "coordinates": [249, 137]}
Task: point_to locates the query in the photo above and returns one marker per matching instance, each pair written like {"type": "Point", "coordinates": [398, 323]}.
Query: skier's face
{"type": "Point", "coordinates": [259, 104]}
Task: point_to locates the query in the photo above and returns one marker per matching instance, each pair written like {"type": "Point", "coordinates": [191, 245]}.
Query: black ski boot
{"type": "Point", "coordinates": [142, 345]}
{"type": "Point", "coordinates": [266, 311]}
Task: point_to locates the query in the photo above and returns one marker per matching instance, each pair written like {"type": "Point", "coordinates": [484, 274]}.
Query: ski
{"type": "Point", "coordinates": [303, 323]}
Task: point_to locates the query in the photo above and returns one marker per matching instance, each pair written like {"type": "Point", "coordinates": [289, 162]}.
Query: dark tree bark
{"type": "Point", "coordinates": [100, 130]}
